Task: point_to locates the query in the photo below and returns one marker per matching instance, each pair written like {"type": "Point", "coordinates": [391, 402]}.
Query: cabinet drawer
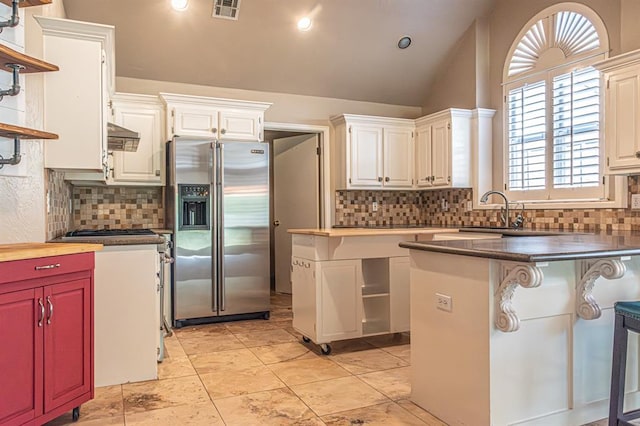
{"type": "Point", "coordinates": [44, 267]}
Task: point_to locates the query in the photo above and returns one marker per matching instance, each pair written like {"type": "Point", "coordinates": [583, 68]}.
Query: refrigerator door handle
{"type": "Point", "coordinates": [220, 197]}
{"type": "Point", "coordinates": [213, 159]}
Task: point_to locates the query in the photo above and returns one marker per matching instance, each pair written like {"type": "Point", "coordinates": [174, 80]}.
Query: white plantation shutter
{"type": "Point", "coordinates": [552, 106]}
{"type": "Point", "coordinates": [576, 129]}
{"type": "Point", "coordinates": [527, 137]}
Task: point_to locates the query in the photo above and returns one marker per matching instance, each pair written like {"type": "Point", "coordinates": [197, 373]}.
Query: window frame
{"type": "Point", "coordinates": [608, 192]}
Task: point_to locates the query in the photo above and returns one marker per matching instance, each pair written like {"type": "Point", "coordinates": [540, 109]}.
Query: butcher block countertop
{"type": "Point", "coordinates": [362, 232]}
{"type": "Point", "coordinates": [21, 251]}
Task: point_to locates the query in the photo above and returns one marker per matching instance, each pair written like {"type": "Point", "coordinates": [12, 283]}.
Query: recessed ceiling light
{"type": "Point", "coordinates": [404, 42]}
{"type": "Point", "coordinates": [305, 23]}
{"type": "Point", "coordinates": [179, 4]}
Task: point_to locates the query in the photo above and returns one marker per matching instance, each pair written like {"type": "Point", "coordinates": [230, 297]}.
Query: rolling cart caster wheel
{"type": "Point", "coordinates": [266, 315]}
{"type": "Point", "coordinates": [75, 414]}
{"type": "Point", "coordinates": [325, 349]}
{"type": "Point", "coordinates": [305, 339]}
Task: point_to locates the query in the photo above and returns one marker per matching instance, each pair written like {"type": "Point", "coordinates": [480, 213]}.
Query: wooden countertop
{"type": "Point", "coordinates": [21, 251]}
{"type": "Point", "coordinates": [360, 232]}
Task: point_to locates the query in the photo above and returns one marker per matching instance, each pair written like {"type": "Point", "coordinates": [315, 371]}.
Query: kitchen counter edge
{"type": "Point", "coordinates": [22, 251]}
{"type": "Point", "coordinates": [359, 232]}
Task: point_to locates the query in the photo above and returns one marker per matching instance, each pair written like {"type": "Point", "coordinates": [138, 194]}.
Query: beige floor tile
{"type": "Point", "coordinates": [183, 415]}
{"type": "Point", "coordinates": [423, 415]}
{"type": "Point", "coordinates": [348, 346]}
{"type": "Point", "coordinates": [173, 347]}
{"type": "Point", "coordinates": [368, 361]}
{"type": "Point", "coordinates": [254, 325]}
{"type": "Point", "coordinates": [265, 337]}
{"type": "Point", "coordinates": [282, 352]}
{"type": "Point", "coordinates": [276, 407]}
{"type": "Point", "coordinates": [380, 415]}
{"type": "Point", "coordinates": [281, 313]}
{"type": "Point", "coordinates": [66, 420]}
{"type": "Point", "coordinates": [280, 300]}
{"type": "Point", "coordinates": [206, 330]}
{"type": "Point", "coordinates": [224, 383]}
{"type": "Point", "coordinates": [214, 361]}
{"type": "Point", "coordinates": [152, 395]}
{"type": "Point", "coordinates": [337, 395]}
{"type": "Point", "coordinates": [212, 343]}
{"type": "Point", "coordinates": [394, 383]}
{"type": "Point", "coordinates": [393, 339]}
{"type": "Point", "coordinates": [402, 351]}
{"type": "Point", "coordinates": [106, 404]}
{"type": "Point", "coordinates": [175, 367]}
{"type": "Point", "coordinates": [308, 370]}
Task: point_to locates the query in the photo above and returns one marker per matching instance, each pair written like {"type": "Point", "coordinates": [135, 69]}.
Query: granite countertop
{"type": "Point", "coordinates": [21, 251]}
{"type": "Point", "coordinates": [566, 246]}
{"type": "Point", "coordinates": [124, 240]}
{"type": "Point", "coordinates": [369, 231]}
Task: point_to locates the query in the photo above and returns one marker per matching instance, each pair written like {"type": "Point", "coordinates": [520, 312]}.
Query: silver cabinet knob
{"type": "Point", "coordinates": [214, 130]}
{"type": "Point", "coordinates": [379, 178]}
{"type": "Point", "coordinates": [386, 179]}
{"type": "Point", "coordinates": [223, 131]}
{"type": "Point", "coordinates": [637, 154]}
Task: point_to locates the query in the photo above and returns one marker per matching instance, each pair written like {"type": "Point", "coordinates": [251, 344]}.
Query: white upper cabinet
{"type": "Point", "coordinates": [622, 112]}
{"type": "Point", "coordinates": [142, 114]}
{"type": "Point", "coordinates": [444, 150]}
{"type": "Point", "coordinates": [76, 99]}
{"type": "Point", "coordinates": [373, 152]}
{"type": "Point", "coordinates": [214, 118]}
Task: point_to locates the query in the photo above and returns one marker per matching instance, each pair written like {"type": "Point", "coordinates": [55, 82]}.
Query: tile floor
{"type": "Point", "coordinates": [260, 373]}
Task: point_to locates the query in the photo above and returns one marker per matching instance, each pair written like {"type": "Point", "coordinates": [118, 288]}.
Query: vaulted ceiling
{"type": "Point", "coordinates": [350, 52]}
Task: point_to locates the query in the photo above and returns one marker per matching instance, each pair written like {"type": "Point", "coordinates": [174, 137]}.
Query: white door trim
{"type": "Point", "coordinates": [326, 216]}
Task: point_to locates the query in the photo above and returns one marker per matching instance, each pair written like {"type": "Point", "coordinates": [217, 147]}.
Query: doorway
{"type": "Point", "coordinates": [296, 200]}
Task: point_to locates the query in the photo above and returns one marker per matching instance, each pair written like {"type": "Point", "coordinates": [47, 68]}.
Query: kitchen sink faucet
{"type": "Point", "coordinates": [505, 218]}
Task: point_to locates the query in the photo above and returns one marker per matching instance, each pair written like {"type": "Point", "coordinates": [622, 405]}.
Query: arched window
{"type": "Point", "coordinates": [553, 111]}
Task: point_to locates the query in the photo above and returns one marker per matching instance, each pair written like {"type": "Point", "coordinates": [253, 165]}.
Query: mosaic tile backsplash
{"type": "Point", "coordinates": [59, 214]}
{"type": "Point", "coordinates": [447, 207]}
{"type": "Point", "coordinates": [118, 207]}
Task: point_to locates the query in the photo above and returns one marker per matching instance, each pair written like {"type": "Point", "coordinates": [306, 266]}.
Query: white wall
{"type": "Point", "coordinates": [286, 108]}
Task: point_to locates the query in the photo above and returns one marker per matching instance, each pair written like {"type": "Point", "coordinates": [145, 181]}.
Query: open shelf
{"type": "Point", "coordinates": [375, 315]}
{"type": "Point", "coordinates": [28, 3]}
{"type": "Point", "coordinates": [30, 64]}
{"type": "Point", "coordinates": [11, 131]}
{"type": "Point", "coordinates": [375, 273]}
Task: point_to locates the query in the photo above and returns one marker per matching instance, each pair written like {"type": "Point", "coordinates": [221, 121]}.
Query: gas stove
{"type": "Point", "coordinates": [88, 233]}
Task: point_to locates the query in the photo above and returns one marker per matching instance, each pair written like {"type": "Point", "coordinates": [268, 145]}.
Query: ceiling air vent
{"type": "Point", "coordinates": [226, 9]}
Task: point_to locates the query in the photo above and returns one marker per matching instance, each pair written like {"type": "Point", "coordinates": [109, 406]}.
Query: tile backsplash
{"type": "Point", "coordinates": [59, 211]}
{"type": "Point", "coordinates": [448, 207]}
{"type": "Point", "coordinates": [118, 207]}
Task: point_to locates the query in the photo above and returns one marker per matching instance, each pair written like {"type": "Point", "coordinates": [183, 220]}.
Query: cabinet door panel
{"type": "Point", "coordinates": [623, 119]}
{"type": "Point", "coordinates": [144, 165]}
{"type": "Point", "coordinates": [20, 356]}
{"type": "Point", "coordinates": [440, 153]}
{"type": "Point", "coordinates": [340, 294]}
{"type": "Point", "coordinates": [423, 157]}
{"type": "Point", "coordinates": [196, 122]}
{"type": "Point", "coordinates": [67, 342]}
{"type": "Point", "coordinates": [398, 158]}
{"type": "Point", "coordinates": [240, 125]}
{"type": "Point", "coordinates": [303, 295]}
{"type": "Point", "coordinates": [366, 157]}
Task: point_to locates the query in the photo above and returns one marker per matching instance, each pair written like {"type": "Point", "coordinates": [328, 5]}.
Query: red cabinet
{"type": "Point", "coordinates": [46, 335]}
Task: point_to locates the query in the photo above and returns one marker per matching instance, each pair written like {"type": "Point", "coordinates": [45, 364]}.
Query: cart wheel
{"type": "Point", "coordinates": [75, 414]}
{"type": "Point", "coordinates": [305, 339]}
{"type": "Point", "coordinates": [325, 349]}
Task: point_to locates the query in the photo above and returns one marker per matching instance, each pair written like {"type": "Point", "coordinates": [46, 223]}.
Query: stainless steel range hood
{"type": "Point", "coordinates": [121, 139]}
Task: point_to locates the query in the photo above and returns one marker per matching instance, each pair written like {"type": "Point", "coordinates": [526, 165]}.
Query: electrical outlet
{"type": "Point", "coordinates": [444, 302]}
{"type": "Point", "coordinates": [374, 206]}
{"type": "Point", "coordinates": [635, 201]}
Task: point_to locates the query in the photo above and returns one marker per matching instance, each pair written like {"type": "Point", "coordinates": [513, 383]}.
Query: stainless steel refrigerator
{"type": "Point", "coordinates": [218, 202]}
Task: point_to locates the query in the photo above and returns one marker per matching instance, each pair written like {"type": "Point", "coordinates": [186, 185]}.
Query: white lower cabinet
{"type": "Point", "coordinates": [343, 299]}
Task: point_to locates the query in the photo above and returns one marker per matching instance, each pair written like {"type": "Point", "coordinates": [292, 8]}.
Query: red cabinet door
{"type": "Point", "coordinates": [21, 331]}
{"type": "Point", "coordinates": [67, 342]}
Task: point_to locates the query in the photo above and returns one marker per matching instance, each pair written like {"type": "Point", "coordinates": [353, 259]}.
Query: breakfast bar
{"type": "Point", "coordinates": [519, 330]}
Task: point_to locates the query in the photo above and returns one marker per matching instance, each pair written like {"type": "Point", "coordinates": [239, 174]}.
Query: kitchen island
{"type": "Point", "coordinates": [354, 282]}
{"type": "Point", "coordinates": [519, 330]}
